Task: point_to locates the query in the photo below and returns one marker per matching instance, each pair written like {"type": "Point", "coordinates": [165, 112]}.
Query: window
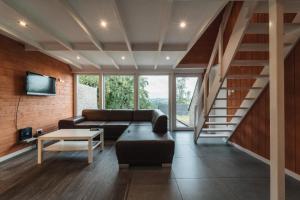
{"type": "Point", "coordinates": [185, 87]}
{"type": "Point", "coordinates": [154, 92]}
{"type": "Point", "coordinates": [87, 92]}
{"type": "Point", "coordinates": [119, 91]}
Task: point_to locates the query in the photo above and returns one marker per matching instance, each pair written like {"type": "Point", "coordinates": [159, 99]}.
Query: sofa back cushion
{"type": "Point", "coordinates": [159, 122]}
{"type": "Point", "coordinates": [107, 115]}
{"type": "Point", "coordinates": [120, 115]}
{"type": "Point", "coordinates": [95, 114]}
{"type": "Point", "coordinates": [142, 115]}
{"type": "Point", "coordinates": [158, 119]}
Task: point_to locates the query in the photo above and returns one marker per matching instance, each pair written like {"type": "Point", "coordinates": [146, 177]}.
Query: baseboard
{"type": "Point", "coordinates": [255, 155]}
{"type": "Point", "coordinates": [16, 153]}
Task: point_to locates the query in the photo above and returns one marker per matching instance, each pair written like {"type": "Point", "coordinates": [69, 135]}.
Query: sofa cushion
{"type": "Point", "coordinates": [159, 122]}
{"type": "Point", "coordinates": [138, 129]}
{"type": "Point", "coordinates": [142, 115]}
{"type": "Point", "coordinates": [95, 114]}
{"type": "Point", "coordinates": [70, 122]}
{"type": "Point", "coordinates": [140, 145]}
{"type": "Point", "coordinates": [113, 129]}
{"type": "Point", "coordinates": [90, 124]}
{"type": "Point", "coordinates": [143, 133]}
{"type": "Point", "coordinates": [120, 115]}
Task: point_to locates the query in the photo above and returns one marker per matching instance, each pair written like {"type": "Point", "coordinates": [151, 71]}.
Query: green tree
{"type": "Point", "coordinates": [119, 91]}
{"type": "Point", "coordinates": [182, 95]}
{"type": "Point", "coordinates": [144, 101]}
{"type": "Point", "coordinates": [90, 80]}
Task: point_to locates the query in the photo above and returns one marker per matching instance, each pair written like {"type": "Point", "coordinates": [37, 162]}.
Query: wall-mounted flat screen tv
{"type": "Point", "coordinates": [41, 85]}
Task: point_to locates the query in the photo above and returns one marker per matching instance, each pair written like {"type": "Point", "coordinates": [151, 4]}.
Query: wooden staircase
{"type": "Point", "coordinates": [231, 87]}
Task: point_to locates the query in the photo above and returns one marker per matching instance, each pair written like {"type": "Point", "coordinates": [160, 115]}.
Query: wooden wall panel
{"type": "Point", "coordinates": [235, 11]}
{"type": "Point", "coordinates": [34, 111]}
{"type": "Point", "coordinates": [201, 51]}
{"type": "Point", "coordinates": [254, 131]}
{"type": "Point", "coordinates": [297, 106]}
{"type": "Point", "coordinates": [267, 133]}
{"type": "Point", "coordinates": [289, 88]}
{"type": "Point", "coordinates": [235, 99]}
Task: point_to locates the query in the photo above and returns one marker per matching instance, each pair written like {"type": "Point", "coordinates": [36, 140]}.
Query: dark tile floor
{"type": "Point", "coordinates": [210, 170]}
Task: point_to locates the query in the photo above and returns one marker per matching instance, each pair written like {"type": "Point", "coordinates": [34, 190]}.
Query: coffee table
{"type": "Point", "coordinates": [71, 140]}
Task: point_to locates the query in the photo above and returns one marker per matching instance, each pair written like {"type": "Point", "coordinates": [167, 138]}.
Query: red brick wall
{"type": "Point", "coordinates": [34, 111]}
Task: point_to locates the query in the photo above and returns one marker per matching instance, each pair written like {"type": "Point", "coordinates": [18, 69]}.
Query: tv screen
{"type": "Point", "coordinates": [37, 84]}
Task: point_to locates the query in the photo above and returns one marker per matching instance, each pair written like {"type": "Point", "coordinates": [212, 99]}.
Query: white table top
{"type": "Point", "coordinates": [71, 134]}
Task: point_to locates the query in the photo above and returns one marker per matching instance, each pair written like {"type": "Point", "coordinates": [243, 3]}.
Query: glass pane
{"type": "Point", "coordinates": [154, 93]}
{"type": "Point", "coordinates": [87, 92]}
{"type": "Point", "coordinates": [119, 92]}
{"type": "Point", "coordinates": [185, 87]}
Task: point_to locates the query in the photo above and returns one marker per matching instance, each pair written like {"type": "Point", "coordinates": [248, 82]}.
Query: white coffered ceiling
{"type": "Point", "coordinates": [145, 33]}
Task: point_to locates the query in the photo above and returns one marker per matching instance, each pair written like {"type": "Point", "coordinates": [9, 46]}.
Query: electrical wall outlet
{"type": "Point", "coordinates": [39, 131]}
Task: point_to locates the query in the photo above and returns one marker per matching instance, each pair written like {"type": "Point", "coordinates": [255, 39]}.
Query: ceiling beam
{"type": "Point", "coordinates": [77, 18]}
{"type": "Point", "coordinates": [114, 46]}
{"type": "Point", "coordinates": [150, 71]}
{"type": "Point", "coordinates": [164, 25]}
{"type": "Point", "coordinates": [45, 29]}
{"type": "Point", "coordinates": [117, 13]}
{"type": "Point", "coordinates": [14, 34]}
{"type": "Point", "coordinates": [209, 19]}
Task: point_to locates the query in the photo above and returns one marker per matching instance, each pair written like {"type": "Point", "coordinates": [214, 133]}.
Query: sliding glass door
{"type": "Point", "coordinates": [185, 86]}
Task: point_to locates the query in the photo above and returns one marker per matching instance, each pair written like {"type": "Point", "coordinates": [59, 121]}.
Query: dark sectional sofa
{"type": "Point", "coordinates": [142, 135]}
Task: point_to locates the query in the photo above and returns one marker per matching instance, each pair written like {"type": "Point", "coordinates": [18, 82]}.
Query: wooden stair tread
{"type": "Point", "coordinates": [263, 28]}
{"type": "Point", "coordinates": [241, 88]}
{"type": "Point", "coordinates": [216, 135]}
{"type": "Point", "coordinates": [247, 76]}
{"type": "Point", "coordinates": [220, 99]}
{"type": "Point", "coordinates": [217, 129]}
{"type": "Point", "coordinates": [220, 123]}
{"type": "Point", "coordinates": [223, 116]}
{"type": "Point", "coordinates": [229, 108]}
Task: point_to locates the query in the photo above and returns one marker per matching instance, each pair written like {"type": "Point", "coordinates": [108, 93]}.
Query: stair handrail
{"type": "Point", "coordinates": [224, 59]}
{"type": "Point", "coordinates": [213, 54]}
{"type": "Point", "coordinates": [195, 95]}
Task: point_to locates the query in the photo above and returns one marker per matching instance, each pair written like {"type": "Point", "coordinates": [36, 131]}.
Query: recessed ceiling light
{"type": "Point", "coordinates": [22, 23]}
{"type": "Point", "coordinates": [182, 24]}
{"type": "Point", "coordinates": [103, 23]}
{"type": "Point", "coordinates": [123, 57]}
{"type": "Point", "coordinates": [78, 57]}
{"type": "Point", "coordinates": [167, 57]}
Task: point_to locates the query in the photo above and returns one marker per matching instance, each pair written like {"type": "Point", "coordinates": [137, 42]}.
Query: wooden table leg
{"type": "Point", "coordinates": [90, 150]}
{"type": "Point", "coordinates": [40, 151]}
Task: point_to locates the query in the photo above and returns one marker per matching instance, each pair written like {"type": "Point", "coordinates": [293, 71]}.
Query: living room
{"type": "Point", "coordinates": [138, 99]}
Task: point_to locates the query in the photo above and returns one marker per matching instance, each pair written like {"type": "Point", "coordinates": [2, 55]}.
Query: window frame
{"type": "Point", "coordinates": [172, 90]}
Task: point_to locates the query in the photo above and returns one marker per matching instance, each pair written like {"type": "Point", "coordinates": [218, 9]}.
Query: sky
{"type": "Point", "coordinates": [158, 86]}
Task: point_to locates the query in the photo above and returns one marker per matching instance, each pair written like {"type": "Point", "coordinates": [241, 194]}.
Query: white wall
{"type": "Point", "coordinates": [86, 98]}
